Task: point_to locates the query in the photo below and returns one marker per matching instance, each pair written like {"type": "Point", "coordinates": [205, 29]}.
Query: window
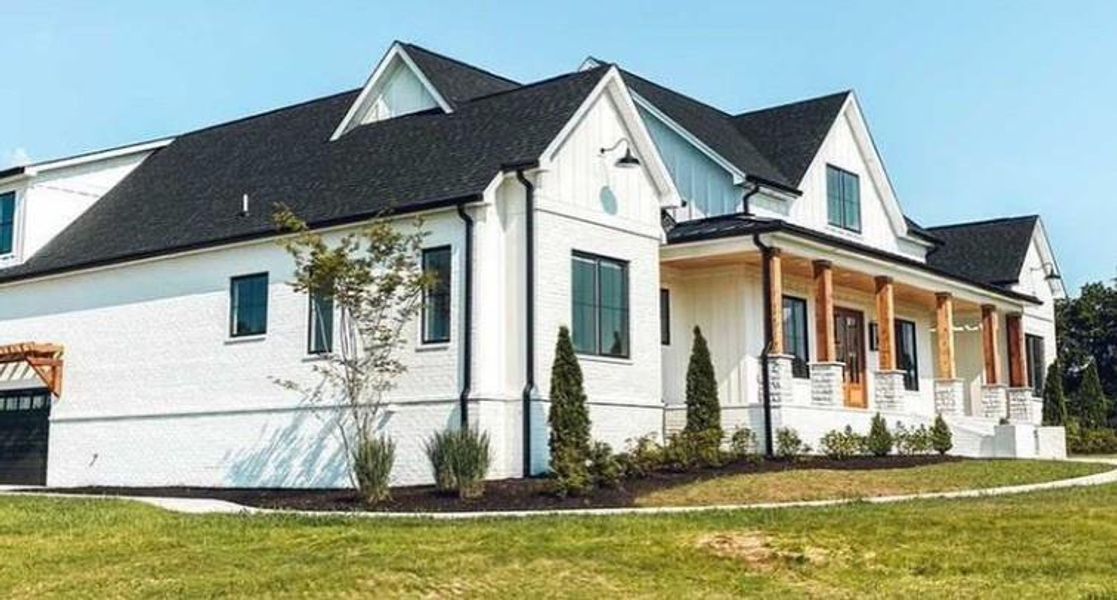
{"type": "Point", "coordinates": [665, 317]}
{"type": "Point", "coordinates": [795, 335]}
{"type": "Point", "coordinates": [843, 199]}
{"type": "Point", "coordinates": [7, 222]}
{"type": "Point", "coordinates": [321, 324]}
{"type": "Point", "coordinates": [600, 298]}
{"type": "Point", "coordinates": [906, 358]}
{"type": "Point", "coordinates": [1037, 362]}
{"type": "Point", "coordinates": [249, 305]}
{"type": "Point", "coordinates": [436, 298]}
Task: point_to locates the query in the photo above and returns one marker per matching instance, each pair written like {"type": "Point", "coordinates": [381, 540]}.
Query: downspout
{"type": "Point", "coordinates": [467, 319]}
{"type": "Point", "coordinates": [529, 326]}
{"type": "Point", "coordinates": [765, 390]}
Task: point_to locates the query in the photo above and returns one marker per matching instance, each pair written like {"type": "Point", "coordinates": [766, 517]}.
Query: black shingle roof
{"type": "Point", "coordinates": [455, 80]}
{"type": "Point", "coordinates": [989, 251]}
{"type": "Point", "coordinates": [790, 135]}
{"type": "Point", "coordinates": [188, 194]}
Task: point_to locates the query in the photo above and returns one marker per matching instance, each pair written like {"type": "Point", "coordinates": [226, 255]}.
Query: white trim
{"type": "Point", "coordinates": [36, 168]}
{"type": "Point", "coordinates": [1047, 255]}
{"type": "Point", "coordinates": [738, 175]}
{"type": "Point", "coordinates": [395, 52]}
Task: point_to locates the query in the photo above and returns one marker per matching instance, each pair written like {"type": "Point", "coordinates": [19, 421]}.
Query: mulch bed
{"type": "Point", "coordinates": [502, 495]}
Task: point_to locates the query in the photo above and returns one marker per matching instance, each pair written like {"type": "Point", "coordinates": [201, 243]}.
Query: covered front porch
{"type": "Point", "coordinates": [825, 336]}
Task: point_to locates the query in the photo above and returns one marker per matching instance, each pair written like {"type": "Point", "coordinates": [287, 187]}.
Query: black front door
{"type": "Point", "coordinates": [24, 429]}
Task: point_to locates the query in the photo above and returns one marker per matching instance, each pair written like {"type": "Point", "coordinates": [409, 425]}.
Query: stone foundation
{"type": "Point", "coordinates": [827, 388]}
{"type": "Point", "coordinates": [780, 379]}
{"type": "Point", "coordinates": [1020, 405]}
{"type": "Point", "coordinates": [888, 390]}
{"type": "Point", "coordinates": [949, 396]}
{"type": "Point", "coordinates": [994, 401]}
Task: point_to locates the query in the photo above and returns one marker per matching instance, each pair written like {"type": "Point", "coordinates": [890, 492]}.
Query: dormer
{"type": "Point", "coordinates": [410, 79]}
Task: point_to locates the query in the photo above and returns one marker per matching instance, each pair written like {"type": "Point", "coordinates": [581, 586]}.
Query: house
{"type": "Point", "coordinates": [145, 311]}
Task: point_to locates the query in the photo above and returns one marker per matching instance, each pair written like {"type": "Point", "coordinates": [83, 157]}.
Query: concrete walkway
{"type": "Point", "coordinates": [208, 506]}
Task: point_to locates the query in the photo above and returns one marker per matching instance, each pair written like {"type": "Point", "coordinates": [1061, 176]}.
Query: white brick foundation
{"type": "Point", "coordinates": [994, 401]}
{"type": "Point", "coordinates": [1020, 405]}
{"type": "Point", "coordinates": [888, 390]}
{"type": "Point", "coordinates": [826, 383]}
{"type": "Point", "coordinates": [780, 380]}
{"type": "Point", "coordinates": [949, 396]}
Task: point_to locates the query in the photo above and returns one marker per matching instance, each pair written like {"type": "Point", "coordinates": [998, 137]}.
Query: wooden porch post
{"type": "Point", "coordinates": [944, 327]}
{"type": "Point", "coordinates": [775, 298]}
{"type": "Point", "coordinates": [886, 323]}
{"type": "Point", "coordinates": [824, 310]}
{"type": "Point", "coordinates": [1017, 365]}
{"type": "Point", "coordinates": [990, 337]}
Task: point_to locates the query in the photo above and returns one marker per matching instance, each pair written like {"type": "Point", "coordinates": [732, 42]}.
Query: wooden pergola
{"type": "Point", "coordinates": [44, 359]}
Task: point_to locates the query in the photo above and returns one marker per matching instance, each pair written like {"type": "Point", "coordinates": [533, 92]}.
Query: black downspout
{"type": "Point", "coordinates": [529, 341]}
{"type": "Point", "coordinates": [467, 319]}
{"type": "Point", "coordinates": [766, 392]}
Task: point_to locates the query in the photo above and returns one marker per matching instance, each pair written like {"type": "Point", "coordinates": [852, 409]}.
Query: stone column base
{"type": "Point", "coordinates": [888, 390]}
{"type": "Point", "coordinates": [949, 395]}
{"type": "Point", "coordinates": [1020, 405]}
{"type": "Point", "coordinates": [827, 388]}
{"type": "Point", "coordinates": [780, 379]}
{"type": "Point", "coordinates": [994, 401]}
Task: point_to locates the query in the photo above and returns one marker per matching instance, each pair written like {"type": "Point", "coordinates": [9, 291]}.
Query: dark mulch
{"type": "Point", "coordinates": [507, 494]}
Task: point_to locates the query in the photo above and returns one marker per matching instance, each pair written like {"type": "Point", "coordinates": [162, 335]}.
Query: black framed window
{"type": "Point", "coordinates": [665, 317]}
{"type": "Point", "coordinates": [436, 298]}
{"type": "Point", "coordinates": [600, 305]}
{"type": "Point", "coordinates": [795, 335]}
{"type": "Point", "coordinates": [248, 307]}
{"type": "Point", "coordinates": [907, 358]}
{"type": "Point", "coordinates": [843, 198]}
{"type": "Point", "coordinates": [7, 222]}
{"type": "Point", "coordinates": [320, 335]}
{"type": "Point", "coordinates": [1037, 362]}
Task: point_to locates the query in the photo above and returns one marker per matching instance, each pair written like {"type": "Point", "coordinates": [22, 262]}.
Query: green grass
{"type": "Point", "coordinates": [820, 484]}
{"type": "Point", "coordinates": [1050, 544]}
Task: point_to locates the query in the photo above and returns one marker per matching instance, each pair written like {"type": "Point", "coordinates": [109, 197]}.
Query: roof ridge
{"type": "Point", "coordinates": [993, 221]}
{"type": "Point", "coordinates": [460, 62]}
{"type": "Point", "coordinates": [266, 113]}
{"type": "Point", "coordinates": [746, 113]}
{"type": "Point", "coordinates": [534, 84]}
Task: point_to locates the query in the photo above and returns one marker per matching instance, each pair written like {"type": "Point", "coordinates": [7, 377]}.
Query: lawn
{"type": "Point", "coordinates": [820, 484]}
{"type": "Point", "coordinates": [1048, 544]}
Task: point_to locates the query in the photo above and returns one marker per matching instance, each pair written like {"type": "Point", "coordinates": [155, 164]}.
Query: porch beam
{"type": "Point", "coordinates": [1017, 365]}
{"type": "Point", "coordinates": [886, 323]}
{"type": "Point", "coordinates": [824, 311]}
{"type": "Point", "coordinates": [990, 334]}
{"type": "Point", "coordinates": [944, 327]}
{"type": "Point", "coordinates": [775, 299]}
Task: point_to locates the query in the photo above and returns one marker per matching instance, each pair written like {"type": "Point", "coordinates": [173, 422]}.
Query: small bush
{"type": "Point", "coordinates": [605, 468]}
{"type": "Point", "coordinates": [743, 444]}
{"type": "Point", "coordinates": [879, 442]}
{"type": "Point", "coordinates": [373, 458]}
{"type": "Point", "coordinates": [788, 444]}
{"type": "Point", "coordinates": [913, 441]}
{"type": "Point", "coordinates": [680, 453]}
{"type": "Point", "coordinates": [842, 444]}
{"type": "Point", "coordinates": [460, 460]}
{"type": "Point", "coordinates": [644, 456]}
{"type": "Point", "coordinates": [1081, 440]}
{"type": "Point", "coordinates": [570, 473]}
{"type": "Point", "coordinates": [941, 438]}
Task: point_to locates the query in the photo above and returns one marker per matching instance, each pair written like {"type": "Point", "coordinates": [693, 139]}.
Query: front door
{"type": "Point", "coordinates": [849, 341]}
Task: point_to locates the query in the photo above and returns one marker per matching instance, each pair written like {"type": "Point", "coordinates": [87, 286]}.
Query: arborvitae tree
{"type": "Point", "coordinates": [941, 438]}
{"type": "Point", "coordinates": [703, 411]}
{"type": "Point", "coordinates": [1092, 400]}
{"type": "Point", "coordinates": [569, 419]}
{"type": "Point", "coordinates": [1054, 400]}
{"type": "Point", "coordinates": [879, 442]}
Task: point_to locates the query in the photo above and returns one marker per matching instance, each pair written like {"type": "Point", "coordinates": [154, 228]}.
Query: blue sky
{"type": "Point", "coordinates": [980, 109]}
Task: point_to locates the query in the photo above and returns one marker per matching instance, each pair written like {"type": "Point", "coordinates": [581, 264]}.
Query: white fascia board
{"type": "Point", "coordinates": [738, 175]}
{"type": "Point", "coordinates": [613, 84]}
{"type": "Point", "coordinates": [874, 161]}
{"type": "Point", "coordinates": [81, 159]}
{"type": "Point", "coordinates": [396, 52]}
{"type": "Point", "coordinates": [1047, 255]}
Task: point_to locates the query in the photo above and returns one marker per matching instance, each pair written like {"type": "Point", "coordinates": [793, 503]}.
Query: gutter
{"type": "Point", "coordinates": [467, 319]}
{"type": "Point", "coordinates": [766, 391]}
{"type": "Point", "coordinates": [529, 291]}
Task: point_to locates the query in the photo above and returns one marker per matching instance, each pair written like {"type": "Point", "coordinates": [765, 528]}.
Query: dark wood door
{"type": "Point", "coordinates": [24, 428]}
{"type": "Point", "coordinates": [849, 341]}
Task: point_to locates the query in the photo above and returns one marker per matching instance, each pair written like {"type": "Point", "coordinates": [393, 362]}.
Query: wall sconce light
{"type": "Point", "coordinates": [628, 161]}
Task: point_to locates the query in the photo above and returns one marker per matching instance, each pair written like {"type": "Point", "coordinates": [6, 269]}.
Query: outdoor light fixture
{"type": "Point", "coordinates": [628, 161]}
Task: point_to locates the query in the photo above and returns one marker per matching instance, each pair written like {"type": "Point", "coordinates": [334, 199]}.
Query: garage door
{"type": "Point", "coordinates": [24, 425]}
